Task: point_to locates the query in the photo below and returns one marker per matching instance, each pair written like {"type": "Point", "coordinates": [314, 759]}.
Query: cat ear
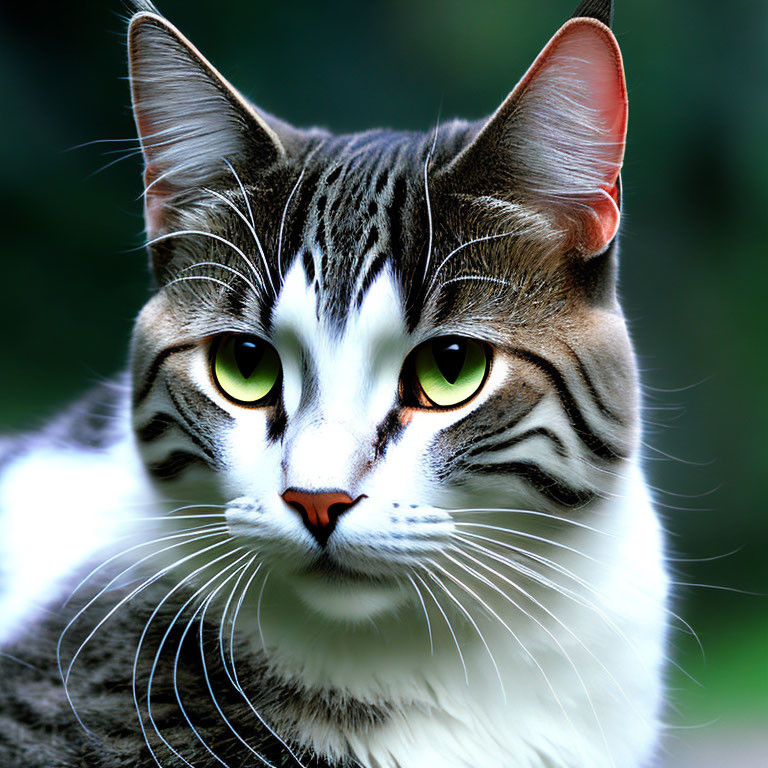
{"type": "Point", "coordinates": [190, 120]}
{"type": "Point", "coordinates": [556, 145]}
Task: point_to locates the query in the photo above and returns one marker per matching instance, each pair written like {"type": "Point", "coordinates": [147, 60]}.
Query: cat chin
{"type": "Point", "coordinates": [349, 602]}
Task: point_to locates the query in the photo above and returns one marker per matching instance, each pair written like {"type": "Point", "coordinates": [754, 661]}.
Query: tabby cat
{"type": "Point", "coordinates": [370, 494]}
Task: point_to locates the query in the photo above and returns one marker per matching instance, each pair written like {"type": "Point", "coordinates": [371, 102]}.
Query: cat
{"type": "Point", "coordinates": [370, 493]}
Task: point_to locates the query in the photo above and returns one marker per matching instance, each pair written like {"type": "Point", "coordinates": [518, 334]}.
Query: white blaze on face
{"type": "Point", "coordinates": [338, 385]}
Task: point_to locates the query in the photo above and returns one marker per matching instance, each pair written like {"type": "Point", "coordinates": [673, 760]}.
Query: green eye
{"type": "Point", "coordinates": [450, 369]}
{"type": "Point", "coordinates": [245, 368]}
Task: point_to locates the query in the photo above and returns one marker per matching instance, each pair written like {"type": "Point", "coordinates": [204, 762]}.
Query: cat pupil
{"type": "Point", "coordinates": [248, 355]}
{"type": "Point", "coordinates": [450, 359]}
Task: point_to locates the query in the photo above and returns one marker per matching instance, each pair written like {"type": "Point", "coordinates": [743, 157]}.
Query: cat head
{"type": "Point", "coordinates": [364, 345]}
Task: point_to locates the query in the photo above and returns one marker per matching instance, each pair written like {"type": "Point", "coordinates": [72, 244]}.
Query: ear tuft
{"type": "Point", "coordinates": [189, 118]}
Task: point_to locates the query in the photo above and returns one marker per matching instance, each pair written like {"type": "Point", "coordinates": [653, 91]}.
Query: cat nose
{"type": "Point", "coordinates": [319, 511]}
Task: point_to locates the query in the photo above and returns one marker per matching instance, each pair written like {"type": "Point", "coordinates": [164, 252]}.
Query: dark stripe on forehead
{"type": "Point", "coordinates": [373, 272]}
{"type": "Point", "coordinates": [381, 181]}
{"type": "Point", "coordinates": [395, 216]}
{"type": "Point", "coordinates": [300, 207]}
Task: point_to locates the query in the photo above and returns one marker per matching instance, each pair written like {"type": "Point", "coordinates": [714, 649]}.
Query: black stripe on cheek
{"type": "Point", "coordinates": [516, 400]}
{"type": "Point", "coordinates": [547, 485]}
{"type": "Point", "coordinates": [589, 384]}
{"type": "Point", "coordinates": [156, 427]}
{"type": "Point", "coordinates": [198, 405]}
{"type": "Point", "coordinates": [584, 432]}
{"type": "Point", "coordinates": [202, 440]}
{"type": "Point", "coordinates": [517, 439]}
{"type": "Point", "coordinates": [154, 369]}
{"type": "Point", "coordinates": [161, 423]}
{"type": "Point", "coordinates": [174, 464]}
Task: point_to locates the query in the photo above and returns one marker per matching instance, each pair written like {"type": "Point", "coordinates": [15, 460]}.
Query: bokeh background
{"type": "Point", "coordinates": [694, 273]}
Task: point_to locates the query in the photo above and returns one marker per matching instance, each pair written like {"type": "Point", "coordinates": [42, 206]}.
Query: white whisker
{"type": "Point", "coordinates": [252, 230]}
{"type": "Point", "coordinates": [203, 662]}
{"type": "Point", "coordinates": [231, 270]}
{"type": "Point", "coordinates": [168, 631]}
{"type": "Point", "coordinates": [469, 618]}
{"type": "Point", "coordinates": [426, 614]}
{"type": "Point", "coordinates": [449, 625]}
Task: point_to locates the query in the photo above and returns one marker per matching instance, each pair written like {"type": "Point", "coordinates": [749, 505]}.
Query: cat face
{"type": "Point", "coordinates": [369, 349]}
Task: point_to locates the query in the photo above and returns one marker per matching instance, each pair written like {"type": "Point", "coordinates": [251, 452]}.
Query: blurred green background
{"type": "Point", "coordinates": [694, 254]}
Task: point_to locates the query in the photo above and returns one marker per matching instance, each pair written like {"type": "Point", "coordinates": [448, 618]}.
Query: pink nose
{"type": "Point", "coordinates": [319, 511]}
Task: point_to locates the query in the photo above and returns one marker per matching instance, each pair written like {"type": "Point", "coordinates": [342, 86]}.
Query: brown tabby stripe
{"type": "Point", "coordinates": [591, 440]}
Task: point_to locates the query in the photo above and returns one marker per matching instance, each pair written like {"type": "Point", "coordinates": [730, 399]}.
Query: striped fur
{"type": "Point", "coordinates": [495, 595]}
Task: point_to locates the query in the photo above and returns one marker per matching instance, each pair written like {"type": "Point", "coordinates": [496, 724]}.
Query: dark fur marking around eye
{"type": "Point", "coordinates": [201, 406]}
{"type": "Point", "coordinates": [513, 404]}
{"type": "Point", "coordinates": [277, 422]}
{"type": "Point", "coordinates": [542, 481]}
{"type": "Point", "coordinates": [388, 431]}
{"type": "Point", "coordinates": [591, 440]}
{"type": "Point", "coordinates": [154, 368]}
{"type": "Point", "coordinates": [174, 464]}
{"type": "Point", "coordinates": [193, 418]}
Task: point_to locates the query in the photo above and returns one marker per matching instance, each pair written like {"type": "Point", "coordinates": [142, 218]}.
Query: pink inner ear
{"type": "Point", "coordinates": [583, 61]}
